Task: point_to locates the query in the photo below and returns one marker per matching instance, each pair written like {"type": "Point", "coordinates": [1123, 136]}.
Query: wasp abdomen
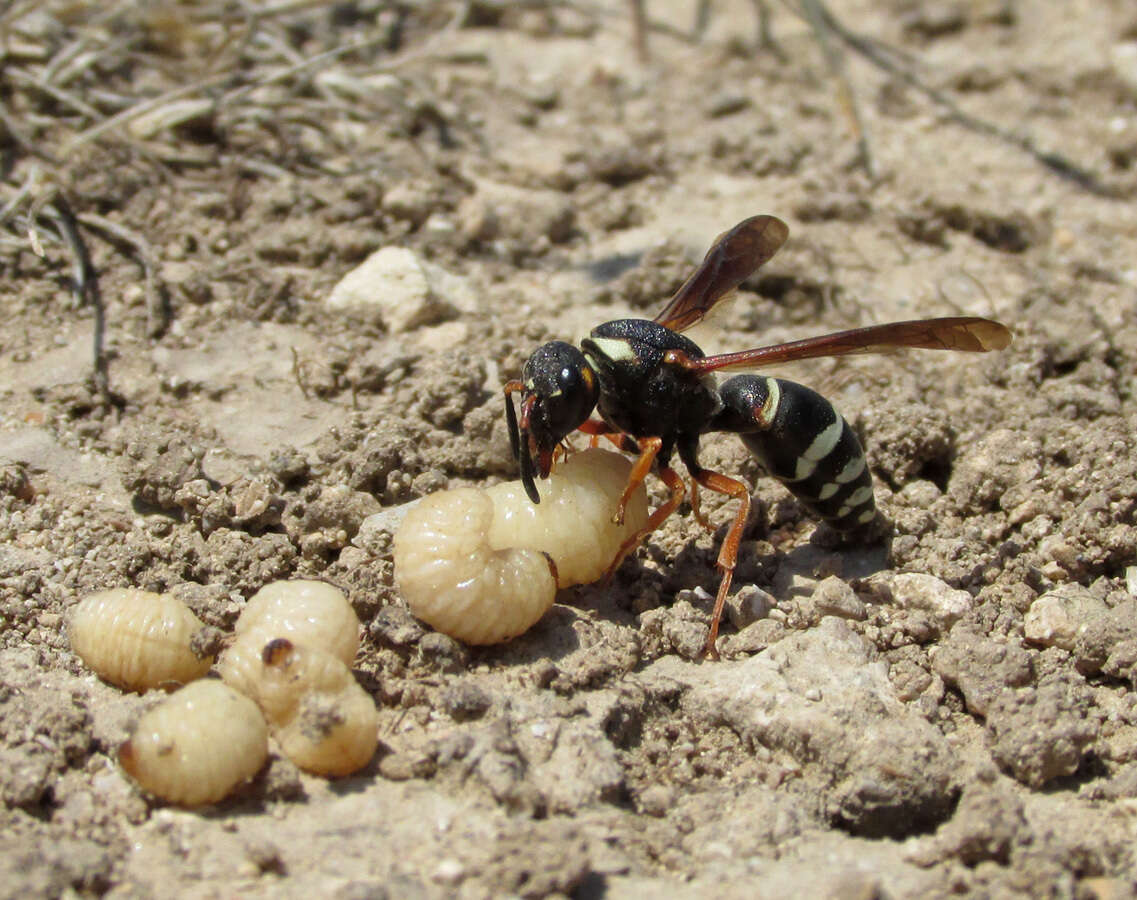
{"type": "Point", "coordinates": [801, 440]}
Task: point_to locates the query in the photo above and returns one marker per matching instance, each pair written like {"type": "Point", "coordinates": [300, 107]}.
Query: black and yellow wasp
{"type": "Point", "coordinates": [657, 393]}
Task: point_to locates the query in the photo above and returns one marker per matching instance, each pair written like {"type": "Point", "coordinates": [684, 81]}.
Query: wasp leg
{"type": "Point", "coordinates": [649, 449]}
{"type": "Point", "coordinates": [696, 510]}
{"type": "Point", "coordinates": [598, 428]}
{"type": "Point", "coordinates": [675, 484]}
{"type": "Point", "coordinates": [728, 552]}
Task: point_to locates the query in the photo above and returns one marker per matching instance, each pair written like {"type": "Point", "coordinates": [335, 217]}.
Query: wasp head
{"type": "Point", "coordinates": [558, 393]}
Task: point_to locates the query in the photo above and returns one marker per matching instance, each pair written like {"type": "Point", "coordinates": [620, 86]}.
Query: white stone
{"type": "Point", "coordinates": [1123, 59]}
{"type": "Point", "coordinates": [401, 291]}
{"type": "Point", "coordinates": [834, 597]}
{"type": "Point", "coordinates": [1055, 618]}
{"type": "Point", "coordinates": [444, 337]}
{"type": "Point", "coordinates": [748, 606]}
{"type": "Point", "coordinates": [943, 603]}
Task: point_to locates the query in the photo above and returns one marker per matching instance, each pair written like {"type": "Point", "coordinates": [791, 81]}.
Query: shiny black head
{"type": "Point", "coordinates": [558, 393]}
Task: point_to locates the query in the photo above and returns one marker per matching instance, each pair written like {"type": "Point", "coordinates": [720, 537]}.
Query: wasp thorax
{"type": "Point", "coordinates": [564, 391]}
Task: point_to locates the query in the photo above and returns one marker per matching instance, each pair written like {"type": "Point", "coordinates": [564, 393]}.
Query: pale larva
{"type": "Point", "coordinates": [456, 582]}
{"type": "Point", "coordinates": [197, 745]}
{"type": "Point", "coordinates": [307, 613]}
{"type": "Point", "coordinates": [137, 640]}
{"type": "Point", "coordinates": [573, 522]}
{"type": "Point", "coordinates": [484, 566]}
{"type": "Point", "coordinates": [320, 716]}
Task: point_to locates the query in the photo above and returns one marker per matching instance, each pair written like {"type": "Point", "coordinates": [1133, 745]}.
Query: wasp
{"type": "Point", "coordinates": [657, 394]}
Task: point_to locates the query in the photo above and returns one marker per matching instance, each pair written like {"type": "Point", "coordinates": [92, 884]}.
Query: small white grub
{"type": "Point", "coordinates": [197, 745]}
{"type": "Point", "coordinates": [484, 566]}
{"type": "Point", "coordinates": [137, 640]}
{"type": "Point", "coordinates": [307, 613]}
{"type": "Point", "coordinates": [321, 717]}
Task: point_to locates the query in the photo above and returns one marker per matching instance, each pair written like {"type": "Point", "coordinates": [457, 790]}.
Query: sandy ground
{"type": "Point", "coordinates": [949, 713]}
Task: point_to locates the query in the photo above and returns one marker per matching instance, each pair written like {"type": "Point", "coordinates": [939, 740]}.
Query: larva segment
{"type": "Point", "coordinates": [137, 640]}
{"type": "Point", "coordinates": [573, 522]}
{"type": "Point", "coordinates": [305, 612]}
{"type": "Point", "coordinates": [454, 580]}
{"type": "Point", "coordinates": [308, 613]}
{"type": "Point", "coordinates": [320, 716]}
{"type": "Point", "coordinates": [197, 745]}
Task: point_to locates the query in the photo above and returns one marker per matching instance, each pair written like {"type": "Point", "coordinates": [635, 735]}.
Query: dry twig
{"type": "Point", "coordinates": [85, 282]}
{"type": "Point", "coordinates": [157, 314]}
{"type": "Point", "coordinates": [826, 28]}
{"type": "Point", "coordinates": [890, 62]}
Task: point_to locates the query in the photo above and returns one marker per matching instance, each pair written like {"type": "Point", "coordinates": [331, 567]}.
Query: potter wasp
{"type": "Point", "coordinates": [657, 393]}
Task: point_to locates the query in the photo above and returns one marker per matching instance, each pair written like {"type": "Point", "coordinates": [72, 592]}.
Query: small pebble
{"type": "Point", "coordinates": [748, 605]}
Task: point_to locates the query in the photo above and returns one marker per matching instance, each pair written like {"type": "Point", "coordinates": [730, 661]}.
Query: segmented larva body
{"type": "Point", "coordinates": [137, 640]}
{"type": "Point", "coordinates": [456, 582]}
{"type": "Point", "coordinates": [320, 716]}
{"type": "Point", "coordinates": [573, 522]}
{"type": "Point", "coordinates": [484, 566]}
{"type": "Point", "coordinates": [197, 745]}
{"type": "Point", "coordinates": [307, 613]}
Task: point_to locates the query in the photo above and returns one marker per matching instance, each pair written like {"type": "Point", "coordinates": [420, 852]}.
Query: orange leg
{"type": "Point", "coordinates": [675, 485]}
{"type": "Point", "coordinates": [696, 511]}
{"type": "Point", "coordinates": [596, 429]}
{"type": "Point", "coordinates": [728, 553]}
{"type": "Point", "coordinates": [649, 449]}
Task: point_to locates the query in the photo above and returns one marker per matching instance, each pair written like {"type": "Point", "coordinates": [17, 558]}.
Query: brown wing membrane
{"type": "Point", "coordinates": [967, 333]}
{"type": "Point", "coordinates": [729, 262]}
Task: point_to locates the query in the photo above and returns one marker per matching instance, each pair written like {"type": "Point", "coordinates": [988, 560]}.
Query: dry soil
{"type": "Point", "coordinates": [949, 712]}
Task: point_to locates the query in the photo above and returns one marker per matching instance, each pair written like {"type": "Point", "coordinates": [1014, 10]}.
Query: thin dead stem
{"type": "Point", "coordinates": [818, 17]}
{"type": "Point", "coordinates": [64, 97]}
{"type": "Point", "coordinates": [84, 285]}
{"type": "Point", "coordinates": [157, 315]}
{"type": "Point", "coordinates": [894, 63]}
{"type": "Point", "coordinates": [144, 106]}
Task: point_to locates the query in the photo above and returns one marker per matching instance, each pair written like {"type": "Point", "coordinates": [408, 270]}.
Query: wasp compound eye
{"type": "Point", "coordinates": [565, 390]}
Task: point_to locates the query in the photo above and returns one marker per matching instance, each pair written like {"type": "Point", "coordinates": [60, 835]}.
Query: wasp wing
{"type": "Point", "coordinates": [733, 257]}
{"type": "Point", "coordinates": [966, 333]}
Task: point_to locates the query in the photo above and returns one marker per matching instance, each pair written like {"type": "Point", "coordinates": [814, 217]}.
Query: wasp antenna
{"type": "Point", "coordinates": [527, 473]}
{"type": "Point", "coordinates": [525, 455]}
{"type": "Point", "coordinates": [519, 442]}
{"type": "Point", "coordinates": [511, 418]}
